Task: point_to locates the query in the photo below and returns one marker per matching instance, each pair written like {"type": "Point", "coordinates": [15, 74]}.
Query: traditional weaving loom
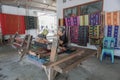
{"type": "Point", "coordinates": [64, 63]}
{"type": "Point", "coordinates": [22, 45]}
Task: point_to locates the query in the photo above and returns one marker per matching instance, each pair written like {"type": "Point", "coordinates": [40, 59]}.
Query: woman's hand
{"type": "Point", "coordinates": [60, 42]}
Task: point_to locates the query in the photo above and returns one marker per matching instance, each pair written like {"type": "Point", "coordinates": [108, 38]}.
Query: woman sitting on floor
{"type": "Point", "coordinates": [62, 39]}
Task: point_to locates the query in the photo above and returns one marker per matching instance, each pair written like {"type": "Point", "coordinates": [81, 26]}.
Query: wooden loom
{"type": "Point", "coordinates": [64, 63]}
{"type": "Point", "coordinates": [22, 45]}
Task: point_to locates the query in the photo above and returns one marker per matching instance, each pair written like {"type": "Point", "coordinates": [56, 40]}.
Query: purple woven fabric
{"type": "Point", "coordinates": [116, 28]}
{"type": "Point", "coordinates": [74, 34]}
{"type": "Point", "coordinates": [75, 21]}
{"type": "Point", "coordinates": [109, 31]}
{"type": "Point", "coordinates": [68, 21]}
{"type": "Point", "coordinates": [95, 19]}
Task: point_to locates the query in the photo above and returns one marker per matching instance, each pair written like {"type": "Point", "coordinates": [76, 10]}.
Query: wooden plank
{"type": "Point", "coordinates": [17, 44]}
{"type": "Point", "coordinates": [29, 41]}
{"type": "Point", "coordinates": [76, 63]}
{"type": "Point", "coordinates": [67, 58]}
{"type": "Point", "coordinates": [58, 69]}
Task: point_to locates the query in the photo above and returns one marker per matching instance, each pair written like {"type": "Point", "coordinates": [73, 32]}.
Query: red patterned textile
{"type": "Point", "coordinates": [11, 24]}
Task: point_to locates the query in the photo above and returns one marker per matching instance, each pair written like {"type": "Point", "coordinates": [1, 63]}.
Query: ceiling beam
{"type": "Point", "coordinates": [31, 7]}
{"type": "Point", "coordinates": [43, 3]}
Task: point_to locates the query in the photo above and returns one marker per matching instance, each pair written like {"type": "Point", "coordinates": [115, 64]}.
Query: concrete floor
{"type": "Point", "coordinates": [91, 69]}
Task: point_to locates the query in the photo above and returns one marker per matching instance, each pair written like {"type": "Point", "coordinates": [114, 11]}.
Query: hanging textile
{"type": "Point", "coordinates": [112, 22]}
{"type": "Point", "coordinates": [84, 20]}
{"type": "Point", "coordinates": [75, 21]}
{"type": "Point", "coordinates": [95, 19]}
{"type": "Point", "coordinates": [116, 18]}
{"type": "Point", "coordinates": [108, 18]}
{"type": "Point", "coordinates": [118, 42]}
{"type": "Point", "coordinates": [74, 34]}
{"type": "Point", "coordinates": [83, 35]}
{"type": "Point", "coordinates": [94, 31]}
{"type": "Point", "coordinates": [68, 21]}
{"type": "Point", "coordinates": [61, 22]}
{"type": "Point", "coordinates": [105, 31]}
{"type": "Point", "coordinates": [12, 24]}
{"type": "Point", "coordinates": [30, 22]}
{"type": "Point", "coordinates": [110, 31]}
{"type": "Point", "coordinates": [94, 34]}
{"type": "Point", "coordinates": [116, 28]}
{"type": "Point", "coordinates": [113, 31]}
{"type": "Point", "coordinates": [81, 20]}
{"type": "Point", "coordinates": [112, 18]}
{"type": "Point", "coordinates": [0, 24]}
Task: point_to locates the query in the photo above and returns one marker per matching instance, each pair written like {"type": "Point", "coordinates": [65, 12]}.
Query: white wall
{"type": "Point", "coordinates": [18, 11]}
{"type": "Point", "coordinates": [109, 5]}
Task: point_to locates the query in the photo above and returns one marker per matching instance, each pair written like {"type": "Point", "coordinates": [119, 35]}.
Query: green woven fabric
{"type": "Point", "coordinates": [86, 20]}
{"type": "Point", "coordinates": [81, 21]}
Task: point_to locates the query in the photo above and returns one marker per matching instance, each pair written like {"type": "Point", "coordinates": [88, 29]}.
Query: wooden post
{"type": "Point", "coordinates": [54, 50]}
{"type": "Point", "coordinates": [25, 50]}
{"type": "Point", "coordinates": [49, 70]}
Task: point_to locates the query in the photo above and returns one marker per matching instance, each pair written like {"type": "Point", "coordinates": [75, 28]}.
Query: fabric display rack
{"type": "Point", "coordinates": [85, 27]}
{"type": "Point", "coordinates": [112, 26]}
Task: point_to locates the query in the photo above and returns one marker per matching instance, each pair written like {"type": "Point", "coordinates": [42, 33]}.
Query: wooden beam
{"type": "Point", "coordinates": [43, 3]}
{"type": "Point", "coordinates": [76, 63]}
{"type": "Point", "coordinates": [67, 58]}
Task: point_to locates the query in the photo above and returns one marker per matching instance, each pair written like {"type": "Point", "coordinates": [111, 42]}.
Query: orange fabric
{"type": "Point", "coordinates": [109, 19]}
{"type": "Point", "coordinates": [116, 18]}
{"type": "Point", "coordinates": [61, 22]}
{"type": "Point", "coordinates": [12, 24]}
